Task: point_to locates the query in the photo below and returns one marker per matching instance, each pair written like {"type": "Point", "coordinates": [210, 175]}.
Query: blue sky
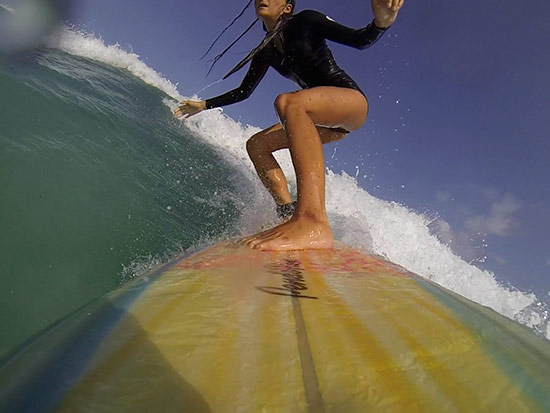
{"type": "Point", "coordinates": [458, 95]}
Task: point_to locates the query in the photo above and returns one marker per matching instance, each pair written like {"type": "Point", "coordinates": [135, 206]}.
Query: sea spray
{"type": "Point", "coordinates": [374, 225]}
{"type": "Point", "coordinates": [150, 187]}
{"type": "Point", "coordinates": [99, 183]}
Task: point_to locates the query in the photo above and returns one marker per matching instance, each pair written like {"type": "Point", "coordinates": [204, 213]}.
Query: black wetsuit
{"type": "Point", "coordinates": [306, 59]}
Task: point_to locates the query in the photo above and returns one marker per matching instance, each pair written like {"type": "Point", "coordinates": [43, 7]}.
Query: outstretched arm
{"type": "Point", "coordinates": [256, 72]}
{"type": "Point", "coordinates": [385, 13]}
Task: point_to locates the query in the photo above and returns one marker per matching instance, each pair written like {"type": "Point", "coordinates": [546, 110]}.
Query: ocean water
{"type": "Point", "coordinates": [100, 184]}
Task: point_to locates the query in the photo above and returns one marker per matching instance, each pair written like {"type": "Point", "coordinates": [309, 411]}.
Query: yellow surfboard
{"type": "Point", "coordinates": [231, 329]}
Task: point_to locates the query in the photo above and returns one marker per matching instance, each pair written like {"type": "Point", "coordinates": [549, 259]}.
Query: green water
{"type": "Point", "coordinates": [95, 176]}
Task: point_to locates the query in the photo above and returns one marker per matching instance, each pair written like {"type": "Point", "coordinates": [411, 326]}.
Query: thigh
{"type": "Point", "coordinates": [329, 106]}
{"type": "Point", "coordinates": [274, 138]}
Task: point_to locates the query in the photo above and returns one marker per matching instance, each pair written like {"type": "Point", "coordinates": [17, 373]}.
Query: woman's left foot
{"type": "Point", "coordinates": [296, 234]}
{"type": "Point", "coordinates": [286, 211]}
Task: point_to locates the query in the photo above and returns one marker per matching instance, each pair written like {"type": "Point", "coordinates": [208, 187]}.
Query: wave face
{"type": "Point", "coordinates": [100, 183]}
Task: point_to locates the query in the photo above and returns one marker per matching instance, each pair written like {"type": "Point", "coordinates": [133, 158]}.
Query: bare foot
{"type": "Point", "coordinates": [295, 234]}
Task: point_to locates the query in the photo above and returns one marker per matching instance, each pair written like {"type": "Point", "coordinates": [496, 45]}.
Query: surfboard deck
{"type": "Point", "coordinates": [231, 329]}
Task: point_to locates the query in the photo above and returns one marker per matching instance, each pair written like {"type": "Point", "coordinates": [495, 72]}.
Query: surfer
{"type": "Point", "coordinates": [329, 106]}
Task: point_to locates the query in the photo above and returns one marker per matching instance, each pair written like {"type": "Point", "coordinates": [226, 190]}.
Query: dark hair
{"type": "Point", "coordinates": [218, 57]}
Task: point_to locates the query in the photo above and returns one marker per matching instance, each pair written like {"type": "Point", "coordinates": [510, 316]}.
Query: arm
{"type": "Point", "coordinates": [256, 72]}
{"type": "Point", "coordinates": [358, 38]}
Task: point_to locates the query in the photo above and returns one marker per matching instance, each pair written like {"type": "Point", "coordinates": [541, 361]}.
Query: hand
{"type": "Point", "coordinates": [385, 11]}
{"type": "Point", "coordinates": [189, 108]}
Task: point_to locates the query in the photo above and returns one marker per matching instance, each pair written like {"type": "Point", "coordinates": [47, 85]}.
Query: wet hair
{"type": "Point", "coordinates": [219, 56]}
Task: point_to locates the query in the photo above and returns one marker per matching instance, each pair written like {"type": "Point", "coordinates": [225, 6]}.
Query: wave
{"type": "Point", "coordinates": [80, 43]}
{"type": "Point", "coordinates": [125, 187]}
{"type": "Point", "coordinates": [358, 218]}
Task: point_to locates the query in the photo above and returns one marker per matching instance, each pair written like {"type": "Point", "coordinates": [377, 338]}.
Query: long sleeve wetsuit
{"type": "Point", "coordinates": [306, 59]}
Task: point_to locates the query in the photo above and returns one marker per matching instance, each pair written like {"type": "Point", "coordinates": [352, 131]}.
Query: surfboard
{"type": "Point", "coordinates": [232, 329]}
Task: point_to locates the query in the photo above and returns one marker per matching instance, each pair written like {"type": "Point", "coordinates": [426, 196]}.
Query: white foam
{"type": "Point", "coordinates": [82, 44]}
{"type": "Point", "coordinates": [357, 218]}
{"type": "Point", "coordinates": [364, 221]}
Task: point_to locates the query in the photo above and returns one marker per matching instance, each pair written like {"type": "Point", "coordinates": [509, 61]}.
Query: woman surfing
{"type": "Point", "coordinates": [329, 106]}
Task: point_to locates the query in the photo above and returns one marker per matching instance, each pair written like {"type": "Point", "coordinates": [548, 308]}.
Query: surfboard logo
{"type": "Point", "coordinates": [294, 282]}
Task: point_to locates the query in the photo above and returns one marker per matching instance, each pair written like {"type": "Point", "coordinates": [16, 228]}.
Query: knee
{"type": "Point", "coordinates": [253, 146]}
{"type": "Point", "coordinates": [284, 101]}
{"type": "Point", "coordinates": [280, 103]}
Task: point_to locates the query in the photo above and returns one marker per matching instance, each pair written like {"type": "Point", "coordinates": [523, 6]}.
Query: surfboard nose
{"type": "Point", "coordinates": [235, 329]}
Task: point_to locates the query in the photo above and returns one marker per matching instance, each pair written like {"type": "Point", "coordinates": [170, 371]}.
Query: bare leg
{"type": "Point", "coordinates": [300, 112]}
{"type": "Point", "coordinates": [260, 148]}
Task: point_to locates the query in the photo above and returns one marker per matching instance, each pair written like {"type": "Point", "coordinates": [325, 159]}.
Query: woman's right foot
{"type": "Point", "coordinates": [296, 234]}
